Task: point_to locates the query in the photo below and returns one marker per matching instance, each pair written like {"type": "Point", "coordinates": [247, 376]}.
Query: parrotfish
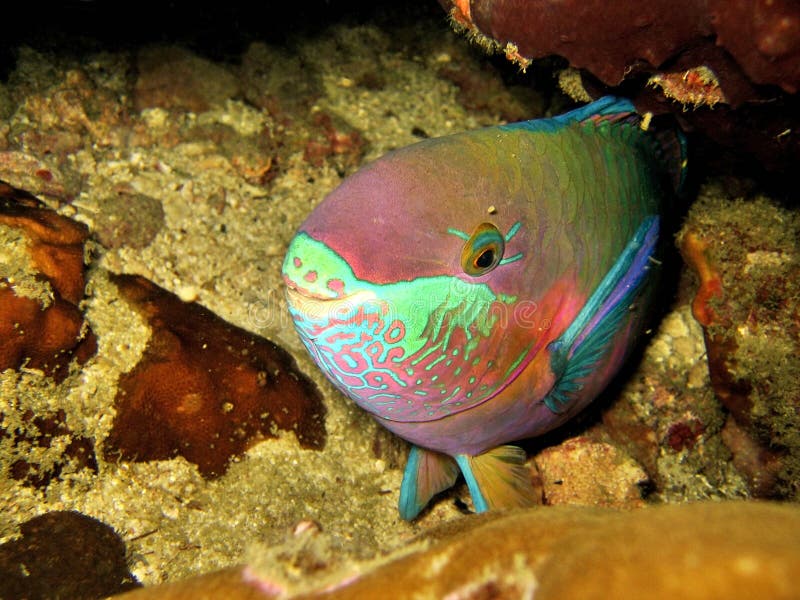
{"type": "Point", "coordinates": [482, 288]}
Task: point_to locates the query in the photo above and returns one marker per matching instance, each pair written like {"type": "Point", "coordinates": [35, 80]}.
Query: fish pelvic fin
{"type": "Point", "coordinates": [498, 478]}
{"type": "Point", "coordinates": [427, 473]}
{"type": "Point", "coordinates": [576, 352]}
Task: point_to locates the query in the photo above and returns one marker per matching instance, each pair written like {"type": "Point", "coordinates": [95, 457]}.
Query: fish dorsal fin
{"type": "Point", "coordinates": [427, 473]}
{"type": "Point", "coordinates": [576, 352]}
{"type": "Point", "coordinates": [669, 143]}
{"type": "Point", "coordinates": [498, 478]}
{"type": "Point", "coordinates": [608, 108]}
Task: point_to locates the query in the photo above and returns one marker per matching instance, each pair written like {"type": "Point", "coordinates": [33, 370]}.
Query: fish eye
{"type": "Point", "coordinates": [483, 250]}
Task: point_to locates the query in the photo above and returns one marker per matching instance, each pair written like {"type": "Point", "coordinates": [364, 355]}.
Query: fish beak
{"type": "Point", "coordinates": [316, 308]}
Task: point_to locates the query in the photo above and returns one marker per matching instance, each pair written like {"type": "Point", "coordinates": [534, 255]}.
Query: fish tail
{"type": "Point", "coordinates": [498, 478]}
{"type": "Point", "coordinates": [427, 473]}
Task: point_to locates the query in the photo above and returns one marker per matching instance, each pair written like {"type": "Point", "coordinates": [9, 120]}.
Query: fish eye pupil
{"type": "Point", "coordinates": [485, 259]}
{"type": "Point", "coordinates": [483, 251]}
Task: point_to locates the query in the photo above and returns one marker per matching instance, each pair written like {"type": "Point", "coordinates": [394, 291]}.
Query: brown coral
{"type": "Point", "coordinates": [608, 39]}
{"type": "Point", "coordinates": [204, 389]}
{"type": "Point", "coordinates": [37, 332]}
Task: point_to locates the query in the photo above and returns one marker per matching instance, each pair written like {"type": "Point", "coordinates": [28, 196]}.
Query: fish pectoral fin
{"type": "Point", "coordinates": [498, 478]}
{"type": "Point", "coordinates": [427, 473]}
{"type": "Point", "coordinates": [576, 352]}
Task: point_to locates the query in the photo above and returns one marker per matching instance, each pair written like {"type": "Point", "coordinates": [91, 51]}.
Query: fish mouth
{"type": "Point", "coordinates": [295, 288]}
{"type": "Point", "coordinates": [319, 307]}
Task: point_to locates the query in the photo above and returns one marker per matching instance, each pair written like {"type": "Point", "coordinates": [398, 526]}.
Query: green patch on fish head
{"type": "Point", "coordinates": [412, 350]}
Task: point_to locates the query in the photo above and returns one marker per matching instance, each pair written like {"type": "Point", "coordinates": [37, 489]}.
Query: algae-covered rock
{"type": "Point", "coordinates": [704, 550]}
{"type": "Point", "coordinates": [583, 472]}
{"type": "Point", "coordinates": [747, 257]}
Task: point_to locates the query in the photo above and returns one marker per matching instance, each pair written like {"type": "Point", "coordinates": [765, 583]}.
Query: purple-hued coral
{"type": "Point", "coordinates": [739, 57]}
{"type": "Point", "coordinates": [616, 40]}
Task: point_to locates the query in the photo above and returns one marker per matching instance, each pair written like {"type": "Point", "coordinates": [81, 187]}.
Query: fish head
{"type": "Point", "coordinates": [410, 287]}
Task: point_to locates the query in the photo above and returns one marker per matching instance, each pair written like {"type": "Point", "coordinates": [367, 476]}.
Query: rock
{"type": "Point", "coordinates": [128, 219]}
{"type": "Point", "coordinates": [667, 418]}
{"type": "Point", "coordinates": [25, 171]}
{"type": "Point", "coordinates": [60, 112]}
{"type": "Point", "coordinates": [66, 555]}
{"type": "Point", "coordinates": [585, 472]}
{"type": "Point", "coordinates": [334, 139]}
{"type": "Point", "coordinates": [481, 88]}
{"type": "Point", "coordinates": [174, 78]}
{"type": "Point", "coordinates": [279, 81]}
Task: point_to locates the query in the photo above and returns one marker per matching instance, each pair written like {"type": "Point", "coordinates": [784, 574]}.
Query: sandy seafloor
{"type": "Point", "coordinates": [174, 522]}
